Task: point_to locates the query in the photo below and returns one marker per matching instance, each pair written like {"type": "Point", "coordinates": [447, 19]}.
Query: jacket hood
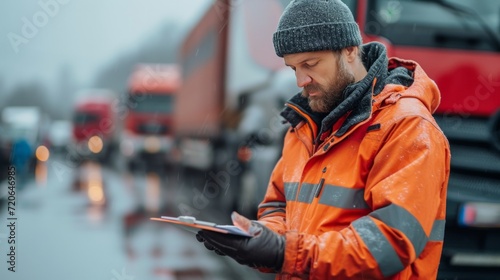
{"type": "Point", "coordinates": [423, 88]}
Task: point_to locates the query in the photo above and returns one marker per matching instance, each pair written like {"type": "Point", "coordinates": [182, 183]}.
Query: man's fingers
{"type": "Point", "coordinates": [219, 252]}
{"type": "Point", "coordinates": [199, 238]}
{"type": "Point", "coordinates": [211, 235]}
{"type": "Point", "coordinates": [223, 242]}
{"type": "Point", "coordinates": [208, 246]}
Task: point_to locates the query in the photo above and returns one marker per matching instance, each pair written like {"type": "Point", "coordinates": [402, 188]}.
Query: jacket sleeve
{"type": "Point", "coordinates": [406, 190]}
{"type": "Point", "coordinates": [272, 209]}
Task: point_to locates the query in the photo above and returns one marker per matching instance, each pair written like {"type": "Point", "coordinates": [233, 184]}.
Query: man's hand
{"type": "Point", "coordinates": [264, 250]}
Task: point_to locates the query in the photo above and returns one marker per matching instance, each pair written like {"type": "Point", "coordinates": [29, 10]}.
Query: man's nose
{"type": "Point", "coordinates": [302, 79]}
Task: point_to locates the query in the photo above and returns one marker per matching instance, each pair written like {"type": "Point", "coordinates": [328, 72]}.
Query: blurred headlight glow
{"type": "Point", "coordinates": [127, 148]}
{"type": "Point", "coordinates": [152, 144]}
{"type": "Point", "coordinates": [95, 144]}
{"type": "Point", "coordinates": [42, 153]}
{"type": "Point", "coordinates": [96, 194]}
{"type": "Point", "coordinates": [244, 154]}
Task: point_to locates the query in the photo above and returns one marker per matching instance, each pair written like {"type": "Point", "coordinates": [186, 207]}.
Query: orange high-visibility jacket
{"type": "Point", "coordinates": [370, 203]}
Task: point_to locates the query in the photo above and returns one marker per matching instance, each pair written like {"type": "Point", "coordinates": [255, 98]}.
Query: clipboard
{"type": "Point", "coordinates": [193, 225]}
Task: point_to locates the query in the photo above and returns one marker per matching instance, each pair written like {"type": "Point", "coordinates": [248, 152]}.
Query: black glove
{"type": "Point", "coordinates": [265, 250]}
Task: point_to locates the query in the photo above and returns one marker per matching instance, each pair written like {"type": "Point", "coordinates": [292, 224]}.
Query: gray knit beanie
{"type": "Point", "coordinates": [315, 25]}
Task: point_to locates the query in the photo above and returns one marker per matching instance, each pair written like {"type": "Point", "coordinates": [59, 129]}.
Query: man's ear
{"type": "Point", "coordinates": [351, 53]}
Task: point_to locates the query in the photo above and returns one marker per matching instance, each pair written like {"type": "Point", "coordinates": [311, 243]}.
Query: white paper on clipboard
{"type": "Point", "coordinates": [191, 224]}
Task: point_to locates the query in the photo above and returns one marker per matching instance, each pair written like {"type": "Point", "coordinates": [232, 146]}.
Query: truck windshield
{"type": "Point", "coordinates": [152, 103]}
{"type": "Point", "coordinates": [456, 24]}
{"type": "Point", "coordinates": [81, 118]}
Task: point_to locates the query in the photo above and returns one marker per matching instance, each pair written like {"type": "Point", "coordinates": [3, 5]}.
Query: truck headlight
{"type": "Point", "coordinates": [42, 153]}
{"type": "Point", "coordinates": [152, 144]}
{"type": "Point", "coordinates": [95, 144]}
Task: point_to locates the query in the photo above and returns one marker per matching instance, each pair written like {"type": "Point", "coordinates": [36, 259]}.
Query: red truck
{"type": "Point", "coordinates": [458, 45]}
{"type": "Point", "coordinates": [147, 139]}
{"type": "Point", "coordinates": [94, 121]}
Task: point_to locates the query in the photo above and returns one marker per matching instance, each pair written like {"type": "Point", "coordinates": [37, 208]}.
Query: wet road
{"type": "Point", "coordinates": [92, 222]}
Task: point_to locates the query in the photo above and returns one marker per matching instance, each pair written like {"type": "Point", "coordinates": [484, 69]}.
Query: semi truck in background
{"type": "Point", "coordinates": [227, 125]}
{"type": "Point", "coordinates": [95, 127]}
{"type": "Point", "coordinates": [147, 139]}
{"type": "Point", "coordinates": [457, 44]}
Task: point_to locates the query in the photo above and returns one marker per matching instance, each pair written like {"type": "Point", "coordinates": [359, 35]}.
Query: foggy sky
{"type": "Point", "coordinates": [39, 37]}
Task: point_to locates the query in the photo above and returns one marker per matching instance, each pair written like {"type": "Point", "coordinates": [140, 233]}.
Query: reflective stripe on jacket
{"type": "Point", "coordinates": [369, 204]}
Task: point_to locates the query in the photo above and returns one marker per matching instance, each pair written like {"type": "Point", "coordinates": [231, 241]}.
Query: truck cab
{"type": "Point", "coordinates": [148, 125]}
{"type": "Point", "coordinates": [94, 126]}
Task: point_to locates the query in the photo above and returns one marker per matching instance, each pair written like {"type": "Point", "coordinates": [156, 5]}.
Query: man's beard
{"type": "Point", "coordinates": [332, 96]}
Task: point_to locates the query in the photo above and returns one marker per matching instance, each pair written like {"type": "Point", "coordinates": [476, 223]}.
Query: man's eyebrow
{"type": "Point", "coordinates": [304, 61]}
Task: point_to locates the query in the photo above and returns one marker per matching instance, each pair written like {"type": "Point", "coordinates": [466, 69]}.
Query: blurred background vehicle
{"type": "Point", "coordinates": [263, 131]}
{"type": "Point", "coordinates": [147, 140]}
{"type": "Point", "coordinates": [59, 136]}
{"type": "Point", "coordinates": [23, 134]}
{"type": "Point", "coordinates": [4, 152]}
{"type": "Point", "coordinates": [95, 126]}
